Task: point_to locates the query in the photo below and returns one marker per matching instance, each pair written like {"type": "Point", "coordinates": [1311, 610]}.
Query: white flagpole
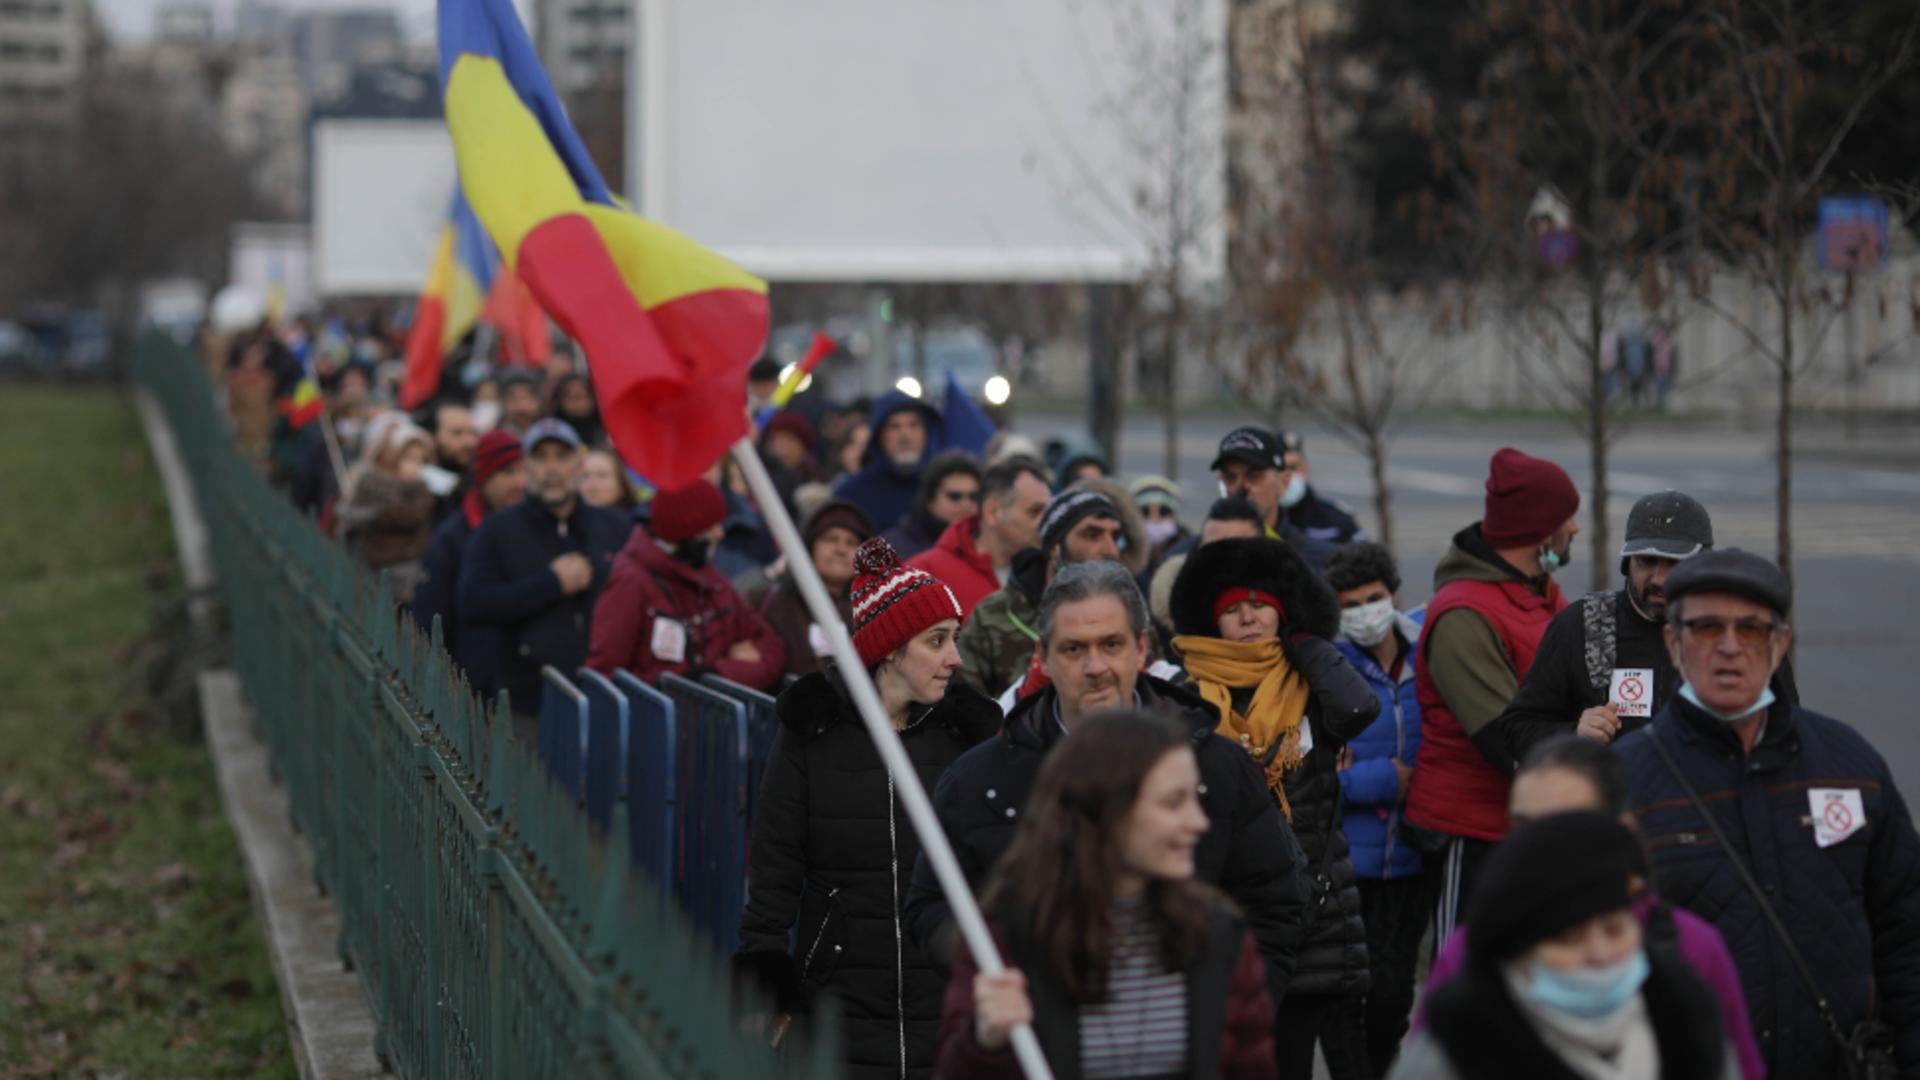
{"type": "Point", "coordinates": [913, 797]}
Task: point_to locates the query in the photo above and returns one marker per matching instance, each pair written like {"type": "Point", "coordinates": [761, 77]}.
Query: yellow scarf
{"type": "Point", "coordinates": [1279, 702]}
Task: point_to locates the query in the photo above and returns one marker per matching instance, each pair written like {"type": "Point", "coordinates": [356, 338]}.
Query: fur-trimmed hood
{"type": "Point", "coordinates": [818, 701]}
{"type": "Point", "coordinates": [1271, 566]}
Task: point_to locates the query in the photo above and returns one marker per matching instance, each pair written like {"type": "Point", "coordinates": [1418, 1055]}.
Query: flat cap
{"type": "Point", "coordinates": [1732, 571]}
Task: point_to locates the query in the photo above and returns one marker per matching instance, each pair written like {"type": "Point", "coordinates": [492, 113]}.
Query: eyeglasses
{"type": "Point", "coordinates": [1750, 633]}
{"type": "Point", "coordinates": [951, 496]}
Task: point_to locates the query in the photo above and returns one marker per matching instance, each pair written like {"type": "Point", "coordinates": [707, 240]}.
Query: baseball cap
{"type": "Point", "coordinates": [551, 429]}
{"type": "Point", "coordinates": [1251, 446]}
{"type": "Point", "coordinates": [1669, 525]}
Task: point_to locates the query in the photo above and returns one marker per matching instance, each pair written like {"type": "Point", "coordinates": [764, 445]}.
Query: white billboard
{"type": "Point", "coordinates": [380, 194]}
{"type": "Point", "coordinates": [980, 140]}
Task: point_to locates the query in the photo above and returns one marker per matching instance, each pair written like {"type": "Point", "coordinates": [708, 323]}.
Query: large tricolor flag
{"type": "Point", "coordinates": [458, 283]}
{"type": "Point", "coordinates": [669, 327]}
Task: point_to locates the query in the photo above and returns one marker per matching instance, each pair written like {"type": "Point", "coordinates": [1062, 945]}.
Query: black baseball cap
{"type": "Point", "coordinates": [1668, 525]}
{"type": "Point", "coordinates": [1252, 446]}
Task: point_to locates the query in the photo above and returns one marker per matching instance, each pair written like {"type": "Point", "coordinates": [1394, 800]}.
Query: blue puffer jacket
{"type": "Point", "coordinates": [1371, 789]}
{"type": "Point", "coordinates": [1853, 907]}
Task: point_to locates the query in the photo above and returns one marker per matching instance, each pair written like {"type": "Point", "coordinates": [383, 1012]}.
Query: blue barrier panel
{"type": "Point", "coordinates": [563, 727]}
{"type": "Point", "coordinates": [762, 723]}
{"type": "Point", "coordinates": [606, 752]}
{"type": "Point", "coordinates": [649, 774]}
{"type": "Point", "coordinates": [712, 808]}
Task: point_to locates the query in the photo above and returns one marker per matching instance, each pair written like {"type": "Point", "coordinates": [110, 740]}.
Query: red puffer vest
{"type": "Point", "coordinates": [1455, 791]}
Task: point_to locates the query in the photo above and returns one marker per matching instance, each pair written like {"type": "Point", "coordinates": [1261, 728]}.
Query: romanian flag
{"type": "Point", "coordinates": [303, 405]}
{"type": "Point", "coordinates": [451, 302]}
{"type": "Point", "coordinates": [516, 315]}
{"type": "Point", "coordinates": [669, 327]}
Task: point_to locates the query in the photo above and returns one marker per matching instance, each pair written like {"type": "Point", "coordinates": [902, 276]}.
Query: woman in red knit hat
{"type": "Point", "coordinates": [832, 850]}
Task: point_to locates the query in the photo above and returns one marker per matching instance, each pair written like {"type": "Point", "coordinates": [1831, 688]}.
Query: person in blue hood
{"type": "Point", "coordinates": [905, 432]}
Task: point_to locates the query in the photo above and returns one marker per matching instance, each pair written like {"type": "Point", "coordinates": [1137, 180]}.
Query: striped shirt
{"type": "Point", "coordinates": [1141, 1029]}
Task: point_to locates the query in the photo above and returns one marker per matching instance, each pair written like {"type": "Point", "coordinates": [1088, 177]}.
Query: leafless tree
{"type": "Point", "coordinates": [1792, 79]}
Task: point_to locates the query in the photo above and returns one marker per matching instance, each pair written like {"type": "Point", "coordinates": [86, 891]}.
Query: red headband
{"type": "Point", "coordinates": [1240, 593]}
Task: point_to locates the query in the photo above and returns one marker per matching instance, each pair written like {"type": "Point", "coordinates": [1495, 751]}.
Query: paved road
{"type": "Point", "coordinates": [1856, 531]}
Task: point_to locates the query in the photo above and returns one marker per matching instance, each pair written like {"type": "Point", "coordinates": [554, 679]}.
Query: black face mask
{"type": "Point", "coordinates": [692, 553]}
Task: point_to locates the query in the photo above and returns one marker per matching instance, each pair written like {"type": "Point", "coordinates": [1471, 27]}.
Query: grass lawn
{"type": "Point", "coordinates": [128, 944]}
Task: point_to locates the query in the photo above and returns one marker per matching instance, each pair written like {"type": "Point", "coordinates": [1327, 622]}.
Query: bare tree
{"type": "Point", "coordinates": [1170, 200]}
{"type": "Point", "coordinates": [1570, 156]}
{"type": "Point", "coordinates": [1792, 79]}
{"type": "Point", "coordinates": [1323, 326]}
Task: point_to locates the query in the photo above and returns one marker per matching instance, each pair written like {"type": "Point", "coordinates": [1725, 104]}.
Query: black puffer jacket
{"type": "Point", "coordinates": [1852, 907]}
{"type": "Point", "coordinates": [1247, 852]}
{"type": "Point", "coordinates": [1333, 961]}
{"type": "Point", "coordinates": [833, 852]}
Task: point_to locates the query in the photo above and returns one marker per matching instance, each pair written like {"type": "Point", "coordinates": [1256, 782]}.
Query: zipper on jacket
{"type": "Point", "coordinates": [1399, 752]}
{"type": "Point", "coordinates": [899, 944]}
{"type": "Point", "coordinates": [820, 934]}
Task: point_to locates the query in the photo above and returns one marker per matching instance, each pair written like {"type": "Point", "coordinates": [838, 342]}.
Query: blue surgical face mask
{"type": "Point", "coordinates": [1296, 490]}
{"type": "Point", "coordinates": [1587, 993]}
{"type": "Point", "coordinates": [1765, 700]}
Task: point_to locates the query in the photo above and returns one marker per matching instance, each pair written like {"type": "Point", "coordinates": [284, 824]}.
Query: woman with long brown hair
{"type": "Point", "coordinates": [1125, 965]}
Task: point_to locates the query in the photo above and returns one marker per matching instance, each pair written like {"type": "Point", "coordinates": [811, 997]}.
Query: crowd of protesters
{"type": "Point", "coordinates": [1223, 794]}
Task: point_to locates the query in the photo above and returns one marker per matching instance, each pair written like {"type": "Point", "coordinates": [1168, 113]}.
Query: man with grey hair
{"type": "Point", "coordinates": [1092, 629]}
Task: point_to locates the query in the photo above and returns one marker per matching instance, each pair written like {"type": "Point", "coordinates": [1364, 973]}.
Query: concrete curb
{"type": "Point", "coordinates": [329, 1023]}
{"type": "Point", "coordinates": [328, 1020]}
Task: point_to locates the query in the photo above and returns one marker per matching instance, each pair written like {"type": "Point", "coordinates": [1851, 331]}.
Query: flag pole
{"type": "Point", "coordinates": [866, 700]}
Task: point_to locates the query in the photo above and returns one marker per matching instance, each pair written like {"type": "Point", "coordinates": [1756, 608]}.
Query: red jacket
{"type": "Point", "coordinates": [1456, 791]}
{"type": "Point", "coordinates": [648, 587]}
{"type": "Point", "coordinates": [955, 560]}
{"type": "Point", "coordinates": [1242, 1016]}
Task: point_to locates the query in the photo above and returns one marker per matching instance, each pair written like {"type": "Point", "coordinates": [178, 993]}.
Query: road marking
{"type": "Point", "coordinates": [1436, 483]}
{"type": "Point", "coordinates": [1888, 481]}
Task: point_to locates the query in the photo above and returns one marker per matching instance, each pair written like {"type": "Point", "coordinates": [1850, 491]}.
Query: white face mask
{"type": "Point", "coordinates": [1296, 490]}
{"type": "Point", "coordinates": [1369, 624]}
{"type": "Point", "coordinates": [1161, 531]}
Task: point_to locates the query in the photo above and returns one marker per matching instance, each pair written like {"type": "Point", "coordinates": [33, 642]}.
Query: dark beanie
{"type": "Point", "coordinates": [1070, 508]}
{"type": "Point", "coordinates": [684, 513]}
{"type": "Point", "coordinates": [1549, 876]}
{"type": "Point", "coordinates": [1528, 498]}
{"type": "Point", "coordinates": [836, 514]}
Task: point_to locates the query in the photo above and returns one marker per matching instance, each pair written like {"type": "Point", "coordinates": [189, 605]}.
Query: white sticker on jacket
{"type": "Point", "coordinates": [669, 641]}
{"type": "Point", "coordinates": [817, 638]}
{"type": "Point", "coordinates": [1837, 814]}
{"type": "Point", "coordinates": [1632, 691]}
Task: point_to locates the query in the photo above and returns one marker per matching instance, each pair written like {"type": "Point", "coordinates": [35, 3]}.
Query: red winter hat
{"type": "Point", "coordinates": [497, 450]}
{"type": "Point", "coordinates": [793, 424]}
{"type": "Point", "coordinates": [1528, 498]}
{"type": "Point", "coordinates": [892, 603]}
{"type": "Point", "coordinates": [684, 513]}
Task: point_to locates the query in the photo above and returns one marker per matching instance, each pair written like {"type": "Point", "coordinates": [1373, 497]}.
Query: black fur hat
{"type": "Point", "coordinates": [1271, 566]}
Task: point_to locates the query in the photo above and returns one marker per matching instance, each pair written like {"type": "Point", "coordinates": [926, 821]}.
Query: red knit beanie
{"type": "Point", "coordinates": [1528, 498]}
{"type": "Point", "coordinates": [793, 424]}
{"type": "Point", "coordinates": [684, 513]}
{"type": "Point", "coordinates": [892, 603]}
{"type": "Point", "coordinates": [497, 450]}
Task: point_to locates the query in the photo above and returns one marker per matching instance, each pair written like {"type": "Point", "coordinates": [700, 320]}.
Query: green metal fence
{"type": "Point", "coordinates": [497, 934]}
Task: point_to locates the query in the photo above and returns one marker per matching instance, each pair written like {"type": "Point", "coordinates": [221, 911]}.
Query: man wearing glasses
{"type": "Point", "coordinates": [1603, 669]}
{"type": "Point", "coordinates": [1756, 810]}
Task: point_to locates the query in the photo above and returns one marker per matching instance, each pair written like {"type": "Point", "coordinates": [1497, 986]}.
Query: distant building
{"type": "Point", "coordinates": [184, 24]}
{"type": "Point", "coordinates": [263, 118]}
{"type": "Point", "coordinates": [583, 43]}
{"type": "Point", "coordinates": [43, 54]}
{"type": "Point", "coordinates": [332, 45]}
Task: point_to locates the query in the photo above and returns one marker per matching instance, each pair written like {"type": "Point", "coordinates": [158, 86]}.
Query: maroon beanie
{"type": "Point", "coordinates": [684, 513]}
{"type": "Point", "coordinates": [497, 450]}
{"type": "Point", "coordinates": [793, 424]}
{"type": "Point", "coordinates": [892, 603]}
{"type": "Point", "coordinates": [1528, 498]}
